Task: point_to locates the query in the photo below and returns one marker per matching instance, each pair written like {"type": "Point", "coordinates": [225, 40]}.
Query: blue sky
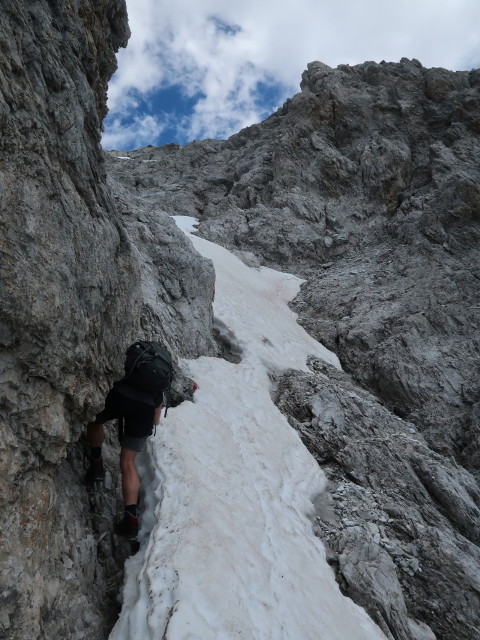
{"type": "Point", "coordinates": [197, 69]}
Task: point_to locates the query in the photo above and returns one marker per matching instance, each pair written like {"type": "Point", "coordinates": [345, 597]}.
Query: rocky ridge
{"type": "Point", "coordinates": [366, 184]}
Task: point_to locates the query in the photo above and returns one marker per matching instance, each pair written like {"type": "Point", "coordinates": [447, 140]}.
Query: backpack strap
{"type": "Point", "coordinates": [166, 394]}
{"type": "Point", "coordinates": [132, 368]}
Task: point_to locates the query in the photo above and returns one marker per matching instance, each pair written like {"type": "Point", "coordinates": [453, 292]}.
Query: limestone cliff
{"type": "Point", "coordinates": [76, 287]}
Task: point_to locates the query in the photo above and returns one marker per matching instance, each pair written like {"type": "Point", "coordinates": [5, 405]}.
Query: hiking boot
{"type": "Point", "coordinates": [96, 472]}
{"type": "Point", "coordinates": [127, 527]}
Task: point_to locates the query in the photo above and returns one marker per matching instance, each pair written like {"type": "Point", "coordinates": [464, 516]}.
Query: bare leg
{"type": "Point", "coordinates": [95, 434]}
{"type": "Point", "coordinates": [130, 479]}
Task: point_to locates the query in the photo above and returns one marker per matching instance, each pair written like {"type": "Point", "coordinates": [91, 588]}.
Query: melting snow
{"type": "Point", "coordinates": [227, 548]}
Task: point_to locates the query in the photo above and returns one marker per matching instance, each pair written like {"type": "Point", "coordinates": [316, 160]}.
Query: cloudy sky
{"type": "Point", "coordinates": [206, 68]}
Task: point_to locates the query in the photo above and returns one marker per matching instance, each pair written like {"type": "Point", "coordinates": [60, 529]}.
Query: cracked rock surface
{"type": "Point", "coordinates": [80, 279]}
{"type": "Point", "coordinates": [399, 520]}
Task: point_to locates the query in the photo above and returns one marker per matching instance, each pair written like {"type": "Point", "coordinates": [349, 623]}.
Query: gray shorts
{"type": "Point", "coordinates": [133, 444]}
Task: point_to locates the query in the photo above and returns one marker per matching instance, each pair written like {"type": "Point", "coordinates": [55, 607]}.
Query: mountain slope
{"type": "Point", "coordinates": [366, 184]}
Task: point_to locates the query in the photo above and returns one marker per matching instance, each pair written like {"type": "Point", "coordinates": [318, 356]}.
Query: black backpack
{"type": "Point", "coordinates": [149, 367]}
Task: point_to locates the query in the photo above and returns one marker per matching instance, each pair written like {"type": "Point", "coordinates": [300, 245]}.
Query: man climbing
{"type": "Point", "coordinates": [137, 401]}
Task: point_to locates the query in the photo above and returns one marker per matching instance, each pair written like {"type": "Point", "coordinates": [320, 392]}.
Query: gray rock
{"type": "Point", "coordinates": [80, 278]}
{"type": "Point", "coordinates": [414, 555]}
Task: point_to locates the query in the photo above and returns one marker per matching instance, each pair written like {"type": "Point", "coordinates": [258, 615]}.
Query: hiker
{"type": "Point", "coordinates": [137, 401]}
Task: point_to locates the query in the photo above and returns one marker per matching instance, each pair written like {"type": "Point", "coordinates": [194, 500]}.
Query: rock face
{"type": "Point", "coordinates": [400, 521]}
{"type": "Point", "coordinates": [367, 185]}
{"type": "Point", "coordinates": [79, 279]}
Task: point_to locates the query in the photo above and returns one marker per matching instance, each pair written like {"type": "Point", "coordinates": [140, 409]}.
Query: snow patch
{"type": "Point", "coordinates": [227, 546]}
{"type": "Point", "coordinates": [253, 303]}
{"type": "Point", "coordinates": [187, 224]}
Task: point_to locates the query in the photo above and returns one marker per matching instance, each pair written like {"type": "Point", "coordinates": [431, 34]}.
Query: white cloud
{"type": "Point", "coordinates": [222, 50]}
{"type": "Point", "coordinates": [137, 133]}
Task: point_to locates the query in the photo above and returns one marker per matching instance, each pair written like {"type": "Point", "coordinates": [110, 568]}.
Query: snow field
{"type": "Point", "coordinates": [229, 489]}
